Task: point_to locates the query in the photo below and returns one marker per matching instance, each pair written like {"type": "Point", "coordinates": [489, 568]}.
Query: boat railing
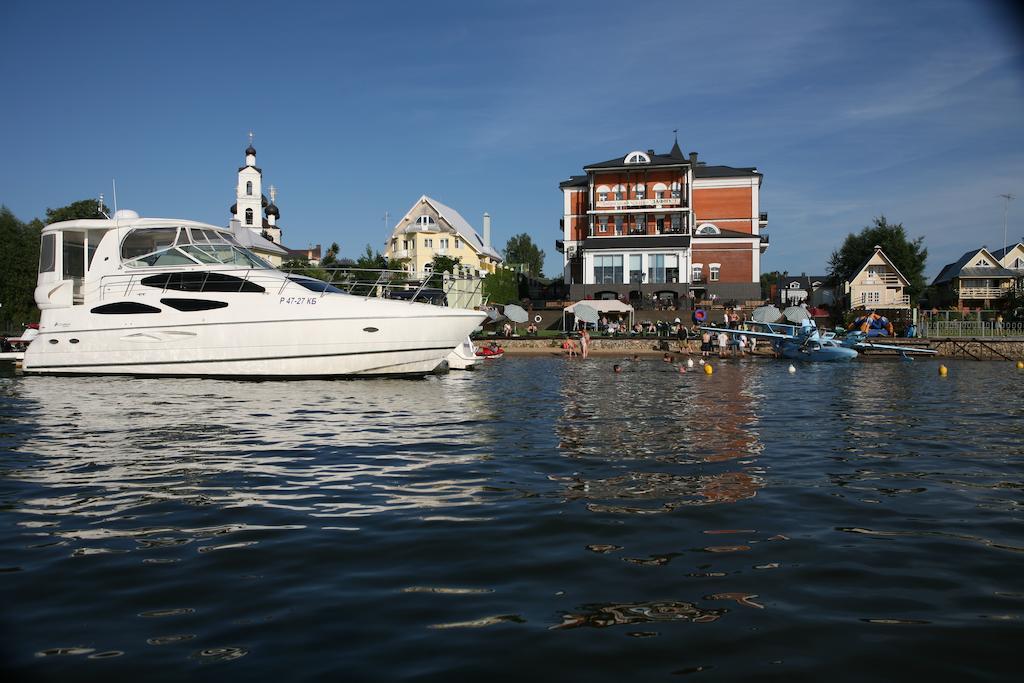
{"type": "Point", "coordinates": [455, 290]}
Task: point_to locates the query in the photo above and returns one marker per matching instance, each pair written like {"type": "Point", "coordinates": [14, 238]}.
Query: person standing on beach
{"type": "Point", "coordinates": [723, 344]}
{"type": "Point", "coordinates": [705, 344]}
{"type": "Point", "coordinates": [585, 343]}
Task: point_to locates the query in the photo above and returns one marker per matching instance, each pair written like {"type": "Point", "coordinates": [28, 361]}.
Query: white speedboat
{"type": "Point", "coordinates": [464, 356]}
{"type": "Point", "coordinates": [154, 296]}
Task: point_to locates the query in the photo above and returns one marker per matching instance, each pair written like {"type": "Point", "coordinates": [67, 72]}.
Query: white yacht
{"type": "Point", "coordinates": [155, 296]}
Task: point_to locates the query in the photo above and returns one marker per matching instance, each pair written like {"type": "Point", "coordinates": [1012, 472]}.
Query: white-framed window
{"type": "Point", "coordinates": [640, 190]}
{"type": "Point", "coordinates": [425, 222]}
{"type": "Point", "coordinates": [708, 229]}
{"type": "Point", "coordinates": [870, 297]}
{"type": "Point", "coordinates": [641, 222]}
{"type": "Point", "coordinates": [637, 157]}
{"type": "Point", "coordinates": [982, 263]}
{"type": "Point", "coordinates": [676, 190]}
{"type": "Point", "coordinates": [428, 242]}
{"type": "Point", "coordinates": [602, 224]}
{"type": "Point", "coordinates": [602, 193]}
{"type": "Point", "coordinates": [715, 271]}
{"type": "Point", "coordinates": [636, 269]}
{"type": "Point", "coordinates": [444, 242]}
{"type": "Point", "coordinates": [458, 243]}
{"type": "Point", "coordinates": [794, 285]}
{"type": "Point", "coordinates": [608, 269]}
{"type": "Point", "coordinates": [618, 225]}
{"type": "Point", "coordinates": [405, 244]}
{"type": "Point", "coordinates": [696, 272]}
{"type": "Point", "coordinates": [248, 188]}
{"type": "Point", "coordinates": [1017, 264]}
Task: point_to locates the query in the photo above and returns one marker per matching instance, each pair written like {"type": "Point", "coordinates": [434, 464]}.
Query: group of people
{"type": "Point", "coordinates": [579, 348]}
{"type": "Point", "coordinates": [726, 343]}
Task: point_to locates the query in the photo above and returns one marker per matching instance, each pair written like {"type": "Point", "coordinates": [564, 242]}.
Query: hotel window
{"type": "Point", "coordinates": [636, 269]}
{"type": "Point", "coordinates": [248, 216]}
{"type": "Point", "coordinates": [641, 191]}
{"type": "Point", "coordinates": [676, 190]}
{"type": "Point", "coordinates": [715, 269]}
{"type": "Point", "coordinates": [458, 243]}
{"type": "Point", "coordinates": [608, 269]}
{"type": "Point", "coordinates": [677, 223]}
{"type": "Point", "coordinates": [697, 272]}
{"type": "Point", "coordinates": [602, 193]}
{"type": "Point", "coordinates": [602, 224]}
{"type": "Point", "coordinates": [661, 267]}
{"type": "Point", "coordinates": [248, 188]}
{"type": "Point", "coordinates": [660, 222]}
{"type": "Point", "coordinates": [640, 221]}
{"type": "Point", "coordinates": [618, 225]}
{"type": "Point", "coordinates": [444, 242]}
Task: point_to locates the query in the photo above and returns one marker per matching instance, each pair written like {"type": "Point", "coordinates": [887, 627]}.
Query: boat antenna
{"type": "Point", "coordinates": [113, 181]}
{"type": "Point", "coordinates": [99, 208]}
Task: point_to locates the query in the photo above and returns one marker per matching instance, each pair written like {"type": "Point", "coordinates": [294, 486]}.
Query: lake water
{"type": "Point", "coordinates": [540, 518]}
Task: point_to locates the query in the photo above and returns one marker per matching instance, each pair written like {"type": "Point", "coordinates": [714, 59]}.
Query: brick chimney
{"type": "Point", "coordinates": [693, 159]}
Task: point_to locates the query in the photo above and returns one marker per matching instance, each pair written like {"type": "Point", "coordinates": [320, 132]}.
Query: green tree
{"type": "Point", "coordinates": [501, 287]}
{"type": "Point", "coordinates": [769, 279]}
{"type": "Point", "coordinates": [520, 250]}
{"type": "Point", "coordinates": [330, 259]}
{"type": "Point", "coordinates": [84, 208]}
{"type": "Point", "coordinates": [19, 264]}
{"type": "Point", "coordinates": [907, 255]}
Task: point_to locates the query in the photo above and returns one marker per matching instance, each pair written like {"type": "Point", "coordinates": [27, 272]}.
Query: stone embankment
{"type": "Point", "coordinates": [977, 349]}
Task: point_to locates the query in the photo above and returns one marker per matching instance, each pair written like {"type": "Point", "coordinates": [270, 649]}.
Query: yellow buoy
{"type": "Point", "coordinates": [1020, 365]}
{"type": "Point", "coordinates": [708, 369]}
{"type": "Point", "coordinates": [943, 370]}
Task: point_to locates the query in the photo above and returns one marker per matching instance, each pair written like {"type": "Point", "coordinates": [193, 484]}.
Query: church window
{"type": "Point", "coordinates": [248, 216]}
{"type": "Point", "coordinates": [248, 188]}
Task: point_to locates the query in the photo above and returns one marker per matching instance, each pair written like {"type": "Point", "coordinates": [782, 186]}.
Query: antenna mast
{"type": "Point", "coordinates": [1006, 210]}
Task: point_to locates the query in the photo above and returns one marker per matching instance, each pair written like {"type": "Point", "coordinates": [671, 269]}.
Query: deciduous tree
{"type": "Point", "coordinates": [520, 250]}
{"type": "Point", "coordinates": [906, 254]}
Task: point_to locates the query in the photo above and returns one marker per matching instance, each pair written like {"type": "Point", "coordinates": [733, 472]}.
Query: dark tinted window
{"type": "Point", "coordinates": [193, 304]}
{"type": "Point", "coordinates": [201, 282]}
{"type": "Point", "coordinates": [315, 285]}
{"type": "Point", "coordinates": [124, 308]}
{"type": "Point", "coordinates": [47, 253]}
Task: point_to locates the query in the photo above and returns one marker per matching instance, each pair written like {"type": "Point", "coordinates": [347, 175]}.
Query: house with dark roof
{"type": "Point", "coordinates": [976, 279]}
{"type": "Point", "coordinates": [1011, 258]}
{"type": "Point", "coordinates": [663, 229]}
{"type": "Point", "coordinates": [813, 290]}
{"type": "Point", "coordinates": [878, 285]}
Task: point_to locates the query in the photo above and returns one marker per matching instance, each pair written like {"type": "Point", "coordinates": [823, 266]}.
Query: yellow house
{"type": "Point", "coordinates": [431, 229]}
{"type": "Point", "coordinates": [878, 284]}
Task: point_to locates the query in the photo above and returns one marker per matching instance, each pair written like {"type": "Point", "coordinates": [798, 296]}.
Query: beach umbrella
{"type": "Point", "coordinates": [766, 314]}
{"type": "Point", "coordinates": [516, 313]}
{"type": "Point", "coordinates": [796, 314]}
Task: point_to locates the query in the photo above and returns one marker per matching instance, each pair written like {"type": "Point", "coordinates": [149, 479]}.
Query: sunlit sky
{"type": "Point", "coordinates": [914, 110]}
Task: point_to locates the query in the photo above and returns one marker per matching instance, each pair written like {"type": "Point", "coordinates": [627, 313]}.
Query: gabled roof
{"type": "Point", "coordinates": [806, 281]}
{"type": "Point", "coordinates": [575, 181]}
{"type": "Point", "coordinates": [956, 268]}
{"type": "Point", "coordinates": [458, 223]}
{"type": "Point", "coordinates": [252, 240]}
{"type": "Point", "coordinates": [1000, 253]}
{"type": "Point", "coordinates": [878, 250]}
{"type": "Point", "coordinates": [657, 160]}
{"type": "Point", "coordinates": [703, 171]}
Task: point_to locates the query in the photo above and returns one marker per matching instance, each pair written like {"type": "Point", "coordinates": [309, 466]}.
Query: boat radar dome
{"type": "Point", "coordinates": [125, 214]}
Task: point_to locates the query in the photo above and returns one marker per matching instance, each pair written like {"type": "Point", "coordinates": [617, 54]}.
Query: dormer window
{"type": "Point", "coordinates": [637, 158]}
{"type": "Point", "coordinates": [982, 263]}
{"type": "Point", "coordinates": [425, 222]}
{"type": "Point", "coordinates": [708, 229]}
{"type": "Point", "coordinates": [794, 285]}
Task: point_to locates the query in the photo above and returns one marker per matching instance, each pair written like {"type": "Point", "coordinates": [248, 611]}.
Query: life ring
{"type": "Point", "coordinates": [536, 318]}
{"type": "Point", "coordinates": [699, 315]}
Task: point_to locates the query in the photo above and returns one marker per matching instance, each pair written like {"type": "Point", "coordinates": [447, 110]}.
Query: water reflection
{"type": "Point", "coordinates": [668, 423]}
{"type": "Point", "coordinates": [603, 615]}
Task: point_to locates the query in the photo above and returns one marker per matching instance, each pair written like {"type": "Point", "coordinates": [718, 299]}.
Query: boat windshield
{"type": "Point", "coordinates": [181, 246]}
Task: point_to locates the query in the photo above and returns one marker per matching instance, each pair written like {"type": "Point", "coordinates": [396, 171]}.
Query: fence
{"type": "Point", "coordinates": [938, 329]}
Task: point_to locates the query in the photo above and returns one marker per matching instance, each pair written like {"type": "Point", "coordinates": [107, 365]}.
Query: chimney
{"type": "Point", "coordinates": [487, 229]}
{"type": "Point", "coordinates": [650, 152]}
{"type": "Point", "coordinates": [693, 159]}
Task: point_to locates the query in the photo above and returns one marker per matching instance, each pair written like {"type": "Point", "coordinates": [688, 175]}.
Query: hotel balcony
{"type": "Point", "coordinates": [652, 203]}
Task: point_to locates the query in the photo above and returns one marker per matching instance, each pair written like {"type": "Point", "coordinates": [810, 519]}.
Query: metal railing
{"type": "Point", "coordinates": [969, 328]}
{"type": "Point", "coordinates": [457, 290]}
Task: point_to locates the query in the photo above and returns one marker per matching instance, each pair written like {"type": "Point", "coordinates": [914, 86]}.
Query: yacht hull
{"type": "Point", "coordinates": [410, 345]}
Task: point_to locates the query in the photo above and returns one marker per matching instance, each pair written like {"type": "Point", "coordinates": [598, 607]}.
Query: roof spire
{"type": "Point", "coordinates": [250, 149]}
{"type": "Point", "coordinates": [676, 153]}
{"type": "Point", "coordinates": [273, 195]}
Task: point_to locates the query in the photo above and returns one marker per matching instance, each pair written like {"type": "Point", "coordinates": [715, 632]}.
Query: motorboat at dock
{"type": "Point", "coordinates": [154, 296]}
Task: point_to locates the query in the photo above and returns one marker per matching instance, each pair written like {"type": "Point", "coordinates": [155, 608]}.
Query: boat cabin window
{"type": "Point", "coordinates": [47, 260]}
{"type": "Point", "coordinates": [157, 247]}
{"type": "Point", "coordinates": [315, 285]}
{"type": "Point", "coordinates": [125, 308]}
{"type": "Point", "coordinates": [201, 281]}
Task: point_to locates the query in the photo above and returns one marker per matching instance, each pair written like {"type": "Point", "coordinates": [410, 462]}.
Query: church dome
{"type": "Point", "coordinates": [234, 209]}
{"type": "Point", "coordinates": [271, 210]}
{"type": "Point", "coordinates": [250, 150]}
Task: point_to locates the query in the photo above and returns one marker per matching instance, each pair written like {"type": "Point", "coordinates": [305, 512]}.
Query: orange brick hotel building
{"type": "Point", "coordinates": [663, 225]}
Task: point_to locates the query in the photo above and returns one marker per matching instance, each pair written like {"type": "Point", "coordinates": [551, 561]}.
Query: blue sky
{"type": "Point", "coordinates": [914, 110]}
